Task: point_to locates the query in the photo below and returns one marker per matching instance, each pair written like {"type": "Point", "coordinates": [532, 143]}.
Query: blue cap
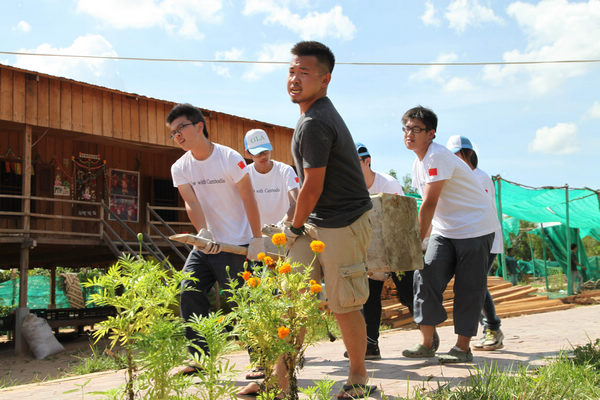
{"type": "Point", "coordinates": [256, 141]}
{"type": "Point", "coordinates": [456, 143]}
{"type": "Point", "coordinates": [362, 150]}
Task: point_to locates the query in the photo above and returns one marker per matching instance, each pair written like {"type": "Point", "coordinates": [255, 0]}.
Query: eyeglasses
{"type": "Point", "coordinates": [413, 129]}
{"type": "Point", "coordinates": [179, 129]}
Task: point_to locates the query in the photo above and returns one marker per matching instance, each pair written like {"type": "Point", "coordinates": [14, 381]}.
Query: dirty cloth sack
{"type": "Point", "coordinates": [39, 337]}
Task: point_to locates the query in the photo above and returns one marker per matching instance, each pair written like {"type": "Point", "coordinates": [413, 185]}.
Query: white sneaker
{"type": "Point", "coordinates": [493, 340]}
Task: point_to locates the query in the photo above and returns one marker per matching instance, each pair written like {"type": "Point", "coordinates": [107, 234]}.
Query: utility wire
{"type": "Point", "coordinates": [393, 64]}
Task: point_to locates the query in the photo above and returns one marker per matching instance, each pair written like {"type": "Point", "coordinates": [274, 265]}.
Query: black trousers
{"type": "Point", "coordinates": [372, 308]}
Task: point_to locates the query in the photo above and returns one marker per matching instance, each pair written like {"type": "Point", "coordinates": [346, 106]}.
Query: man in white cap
{"type": "Point", "coordinates": [492, 335]}
{"type": "Point", "coordinates": [275, 183]}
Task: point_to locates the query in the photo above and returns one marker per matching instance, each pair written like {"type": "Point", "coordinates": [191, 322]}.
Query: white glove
{"type": "Point", "coordinates": [212, 247]}
{"type": "Point", "coordinates": [257, 245]}
{"type": "Point", "coordinates": [424, 244]}
{"type": "Point", "coordinates": [290, 236]}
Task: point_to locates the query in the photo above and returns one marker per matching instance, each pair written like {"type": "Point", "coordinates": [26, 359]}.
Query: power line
{"type": "Point", "coordinates": [392, 64]}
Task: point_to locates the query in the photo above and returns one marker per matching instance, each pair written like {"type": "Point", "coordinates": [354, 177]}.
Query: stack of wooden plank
{"type": "Point", "coordinates": [510, 301]}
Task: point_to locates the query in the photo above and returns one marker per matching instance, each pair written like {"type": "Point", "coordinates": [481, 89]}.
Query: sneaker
{"type": "Point", "coordinates": [478, 345]}
{"type": "Point", "coordinates": [372, 353]}
{"type": "Point", "coordinates": [493, 340]}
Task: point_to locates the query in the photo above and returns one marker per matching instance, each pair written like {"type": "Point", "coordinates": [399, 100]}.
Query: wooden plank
{"type": "Point", "coordinates": [162, 135]}
{"type": "Point", "coordinates": [126, 118]}
{"type": "Point", "coordinates": [534, 311]}
{"type": "Point", "coordinates": [107, 128]}
{"type": "Point", "coordinates": [143, 120]}
{"type": "Point", "coordinates": [6, 94]}
{"type": "Point", "coordinates": [152, 122]}
{"type": "Point", "coordinates": [31, 102]}
{"type": "Point", "coordinates": [19, 97]}
{"type": "Point", "coordinates": [134, 117]}
{"type": "Point", "coordinates": [65, 105]}
{"type": "Point", "coordinates": [76, 108]}
{"type": "Point", "coordinates": [43, 108]}
{"type": "Point", "coordinates": [54, 99]}
{"type": "Point", "coordinates": [515, 295]}
{"type": "Point", "coordinates": [97, 116]}
{"type": "Point", "coordinates": [117, 120]}
{"type": "Point", "coordinates": [87, 110]}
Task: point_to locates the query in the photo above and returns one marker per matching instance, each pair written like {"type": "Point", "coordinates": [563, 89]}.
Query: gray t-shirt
{"type": "Point", "coordinates": [321, 139]}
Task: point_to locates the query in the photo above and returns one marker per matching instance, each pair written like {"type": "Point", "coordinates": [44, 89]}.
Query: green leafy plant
{"type": "Point", "coordinates": [320, 391]}
{"type": "Point", "coordinates": [144, 293]}
{"type": "Point", "coordinates": [276, 306]}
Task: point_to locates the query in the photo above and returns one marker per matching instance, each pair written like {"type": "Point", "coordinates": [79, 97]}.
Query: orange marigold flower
{"type": "Point", "coordinates": [221, 319]}
{"type": "Point", "coordinates": [285, 268]}
{"type": "Point", "coordinates": [312, 282]}
{"type": "Point", "coordinates": [268, 261]}
{"type": "Point", "coordinates": [317, 246]}
{"type": "Point", "coordinates": [316, 288]}
{"type": "Point", "coordinates": [253, 282]}
{"type": "Point", "coordinates": [279, 239]}
{"type": "Point", "coordinates": [246, 275]}
{"type": "Point", "coordinates": [282, 332]}
{"type": "Point", "coordinates": [260, 256]}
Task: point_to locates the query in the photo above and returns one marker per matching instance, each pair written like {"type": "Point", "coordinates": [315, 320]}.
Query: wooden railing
{"type": "Point", "coordinates": [92, 224]}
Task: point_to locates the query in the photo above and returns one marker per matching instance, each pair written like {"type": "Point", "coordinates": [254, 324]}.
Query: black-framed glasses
{"type": "Point", "coordinates": [413, 129]}
{"type": "Point", "coordinates": [179, 129]}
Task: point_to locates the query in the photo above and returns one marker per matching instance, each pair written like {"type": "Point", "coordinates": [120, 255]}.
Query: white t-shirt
{"type": "Point", "coordinates": [488, 185]}
{"type": "Point", "coordinates": [463, 210]}
{"type": "Point", "coordinates": [214, 182]}
{"type": "Point", "coordinates": [384, 183]}
{"type": "Point", "coordinates": [271, 191]}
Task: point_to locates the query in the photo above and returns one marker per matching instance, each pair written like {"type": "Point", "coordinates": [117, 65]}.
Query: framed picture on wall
{"type": "Point", "coordinates": [124, 191]}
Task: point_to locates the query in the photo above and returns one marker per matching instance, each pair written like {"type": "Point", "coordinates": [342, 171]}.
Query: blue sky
{"type": "Point", "coordinates": [532, 124]}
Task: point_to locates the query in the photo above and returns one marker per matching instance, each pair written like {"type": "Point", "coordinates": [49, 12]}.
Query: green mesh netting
{"type": "Point", "coordinates": [38, 293]}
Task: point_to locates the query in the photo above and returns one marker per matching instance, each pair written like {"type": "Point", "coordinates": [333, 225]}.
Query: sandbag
{"type": "Point", "coordinates": [39, 337]}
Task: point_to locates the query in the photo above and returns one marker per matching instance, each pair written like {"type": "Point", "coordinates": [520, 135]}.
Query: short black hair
{"type": "Point", "coordinates": [190, 112]}
{"type": "Point", "coordinates": [323, 53]}
{"type": "Point", "coordinates": [424, 115]}
{"type": "Point", "coordinates": [470, 155]}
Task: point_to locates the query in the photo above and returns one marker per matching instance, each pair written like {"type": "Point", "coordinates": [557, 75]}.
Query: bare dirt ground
{"type": "Point", "coordinates": [15, 370]}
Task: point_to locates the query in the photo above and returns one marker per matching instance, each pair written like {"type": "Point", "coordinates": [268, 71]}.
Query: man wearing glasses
{"type": "Point", "coordinates": [462, 221]}
{"type": "Point", "coordinates": [214, 183]}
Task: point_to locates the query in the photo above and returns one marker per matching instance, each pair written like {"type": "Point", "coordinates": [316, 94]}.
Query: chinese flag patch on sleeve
{"type": "Point", "coordinates": [242, 165]}
{"type": "Point", "coordinates": [297, 179]}
{"type": "Point", "coordinates": [432, 171]}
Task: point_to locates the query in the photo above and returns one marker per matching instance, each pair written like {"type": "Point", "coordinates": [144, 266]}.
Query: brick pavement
{"type": "Point", "coordinates": [528, 340]}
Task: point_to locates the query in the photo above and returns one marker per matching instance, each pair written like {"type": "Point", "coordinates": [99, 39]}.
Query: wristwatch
{"type": "Point", "coordinates": [297, 231]}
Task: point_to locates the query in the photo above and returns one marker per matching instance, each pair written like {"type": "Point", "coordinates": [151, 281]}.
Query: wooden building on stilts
{"type": "Point", "coordinates": [84, 168]}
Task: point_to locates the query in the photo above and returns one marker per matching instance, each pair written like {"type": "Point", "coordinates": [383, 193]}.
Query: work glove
{"type": "Point", "coordinates": [257, 245]}
{"type": "Point", "coordinates": [212, 247]}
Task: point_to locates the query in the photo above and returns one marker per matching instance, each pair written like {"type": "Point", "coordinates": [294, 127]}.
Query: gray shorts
{"type": "Point", "coordinates": [465, 260]}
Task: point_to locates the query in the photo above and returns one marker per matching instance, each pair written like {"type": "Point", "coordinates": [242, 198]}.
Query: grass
{"type": "Point", "coordinates": [575, 376]}
{"type": "Point", "coordinates": [99, 360]}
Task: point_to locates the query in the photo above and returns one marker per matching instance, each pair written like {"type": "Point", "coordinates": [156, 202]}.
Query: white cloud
{"type": "Point", "coordinates": [594, 111]}
{"type": "Point", "coordinates": [98, 71]}
{"type": "Point", "coordinates": [22, 26]}
{"type": "Point", "coordinates": [457, 84]}
{"type": "Point", "coordinates": [180, 17]}
{"type": "Point", "coordinates": [269, 52]}
{"type": "Point", "coordinates": [223, 69]}
{"type": "Point", "coordinates": [462, 13]}
{"type": "Point", "coordinates": [560, 139]}
{"type": "Point", "coordinates": [429, 17]}
{"type": "Point", "coordinates": [555, 30]}
{"type": "Point", "coordinates": [314, 25]}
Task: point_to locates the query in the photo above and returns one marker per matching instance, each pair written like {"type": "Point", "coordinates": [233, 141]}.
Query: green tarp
{"type": "Point", "coordinates": [38, 293]}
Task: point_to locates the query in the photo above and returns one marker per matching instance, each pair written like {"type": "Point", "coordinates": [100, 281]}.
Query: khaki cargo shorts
{"type": "Point", "coordinates": [342, 264]}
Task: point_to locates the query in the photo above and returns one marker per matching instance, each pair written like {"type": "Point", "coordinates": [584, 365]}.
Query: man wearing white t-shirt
{"type": "Point", "coordinates": [378, 182]}
{"type": "Point", "coordinates": [215, 186]}
{"type": "Point", "coordinates": [492, 334]}
{"type": "Point", "coordinates": [462, 223]}
{"type": "Point", "coordinates": [275, 183]}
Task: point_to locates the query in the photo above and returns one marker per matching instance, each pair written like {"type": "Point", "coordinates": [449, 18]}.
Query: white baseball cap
{"type": "Point", "coordinates": [457, 142]}
{"type": "Point", "coordinates": [256, 141]}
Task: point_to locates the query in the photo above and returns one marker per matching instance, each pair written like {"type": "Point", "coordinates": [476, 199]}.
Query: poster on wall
{"type": "Point", "coordinates": [123, 198]}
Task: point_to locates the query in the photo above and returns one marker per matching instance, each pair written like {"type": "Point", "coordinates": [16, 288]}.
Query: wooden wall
{"type": "Point", "coordinates": [62, 104]}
